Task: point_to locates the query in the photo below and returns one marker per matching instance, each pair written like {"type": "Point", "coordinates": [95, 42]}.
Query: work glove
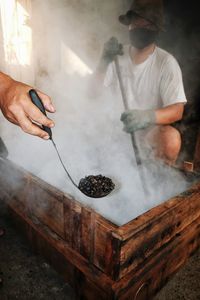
{"type": "Point", "coordinates": [111, 49]}
{"type": "Point", "coordinates": [137, 119]}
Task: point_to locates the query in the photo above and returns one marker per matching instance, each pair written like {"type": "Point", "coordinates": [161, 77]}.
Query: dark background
{"type": "Point", "coordinates": [182, 39]}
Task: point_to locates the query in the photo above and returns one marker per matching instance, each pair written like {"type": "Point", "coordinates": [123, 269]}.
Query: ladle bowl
{"type": "Point", "coordinates": [96, 186]}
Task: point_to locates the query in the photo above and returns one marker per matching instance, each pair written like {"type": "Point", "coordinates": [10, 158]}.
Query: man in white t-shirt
{"type": "Point", "coordinates": [151, 77]}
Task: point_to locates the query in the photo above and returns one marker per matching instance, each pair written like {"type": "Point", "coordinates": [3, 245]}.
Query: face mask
{"type": "Point", "coordinates": [142, 37]}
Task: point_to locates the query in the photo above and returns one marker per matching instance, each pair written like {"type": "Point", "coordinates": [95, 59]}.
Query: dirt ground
{"type": "Point", "coordinates": [28, 277]}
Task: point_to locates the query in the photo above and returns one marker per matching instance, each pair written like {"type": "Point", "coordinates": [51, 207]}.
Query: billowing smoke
{"type": "Point", "coordinates": [67, 41]}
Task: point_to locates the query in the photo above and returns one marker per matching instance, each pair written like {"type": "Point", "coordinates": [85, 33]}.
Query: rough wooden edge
{"type": "Point", "coordinates": [126, 231]}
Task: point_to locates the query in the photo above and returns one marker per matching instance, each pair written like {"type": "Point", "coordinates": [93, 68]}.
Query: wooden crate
{"type": "Point", "coordinates": [99, 259]}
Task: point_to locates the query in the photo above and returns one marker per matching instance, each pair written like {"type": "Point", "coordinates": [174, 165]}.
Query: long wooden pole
{"type": "Point", "coordinates": [133, 139]}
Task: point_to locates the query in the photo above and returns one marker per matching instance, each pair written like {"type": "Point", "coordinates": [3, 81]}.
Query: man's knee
{"type": "Point", "coordinates": [171, 142]}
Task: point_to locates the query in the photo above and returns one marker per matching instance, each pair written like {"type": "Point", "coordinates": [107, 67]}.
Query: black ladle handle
{"type": "Point", "coordinates": [38, 102]}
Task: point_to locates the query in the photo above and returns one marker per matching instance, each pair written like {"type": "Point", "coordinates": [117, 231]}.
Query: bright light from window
{"type": "Point", "coordinates": [72, 63]}
{"type": "Point", "coordinates": [17, 35]}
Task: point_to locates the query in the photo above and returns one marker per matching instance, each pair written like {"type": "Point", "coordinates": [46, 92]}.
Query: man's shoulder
{"type": "Point", "coordinates": [165, 58]}
{"type": "Point", "coordinates": [164, 55]}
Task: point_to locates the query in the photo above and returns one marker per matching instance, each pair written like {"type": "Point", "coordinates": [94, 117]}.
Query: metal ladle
{"type": "Point", "coordinates": [84, 181]}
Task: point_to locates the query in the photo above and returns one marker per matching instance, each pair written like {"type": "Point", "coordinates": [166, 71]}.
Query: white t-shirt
{"type": "Point", "coordinates": [153, 84]}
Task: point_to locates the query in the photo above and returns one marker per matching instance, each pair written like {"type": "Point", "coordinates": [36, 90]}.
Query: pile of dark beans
{"type": "Point", "coordinates": [96, 186]}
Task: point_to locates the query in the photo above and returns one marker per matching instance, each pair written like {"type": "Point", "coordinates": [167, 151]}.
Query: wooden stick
{"type": "Point", "coordinates": [133, 140]}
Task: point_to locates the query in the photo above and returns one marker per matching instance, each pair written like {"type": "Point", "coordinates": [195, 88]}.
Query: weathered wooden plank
{"type": "Point", "coordinates": [157, 269]}
{"type": "Point", "coordinates": [67, 222]}
{"type": "Point", "coordinates": [102, 245]}
{"type": "Point", "coordinates": [112, 256]}
{"type": "Point", "coordinates": [102, 242]}
{"type": "Point", "coordinates": [46, 206]}
{"type": "Point", "coordinates": [138, 224]}
{"type": "Point", "coordinates": [53, 240]}
{"type": "Point", "coordinates": [158, 231]}
{"type": "Point", "coordinates": [76, 227]}
{"type": "Point", "coordinates": [87, 234]}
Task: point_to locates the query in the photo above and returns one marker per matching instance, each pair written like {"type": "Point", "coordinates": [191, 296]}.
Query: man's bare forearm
{"type": "Point", "coordinates": [169, 114]}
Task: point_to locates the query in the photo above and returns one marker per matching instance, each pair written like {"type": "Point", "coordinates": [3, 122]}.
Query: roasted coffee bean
{"type": "Point", "coordinates": [96, 186]}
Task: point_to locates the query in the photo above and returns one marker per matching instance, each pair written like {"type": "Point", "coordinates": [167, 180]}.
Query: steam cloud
{"type": "Point", "coordinates": [88, 132]}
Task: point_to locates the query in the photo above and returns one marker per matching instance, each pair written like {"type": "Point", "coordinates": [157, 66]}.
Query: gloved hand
{"type": "Point", "coordinates": [137, 119]}
{"type": "Point", "coordinates": [111, 49]}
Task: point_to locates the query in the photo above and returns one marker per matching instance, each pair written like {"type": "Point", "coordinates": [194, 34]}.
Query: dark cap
{"type": "Point", "coordinates": [150, 10]}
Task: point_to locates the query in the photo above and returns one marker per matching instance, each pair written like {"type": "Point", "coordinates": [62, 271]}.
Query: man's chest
{"type": "Point", "coordinates": [142, 85]}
